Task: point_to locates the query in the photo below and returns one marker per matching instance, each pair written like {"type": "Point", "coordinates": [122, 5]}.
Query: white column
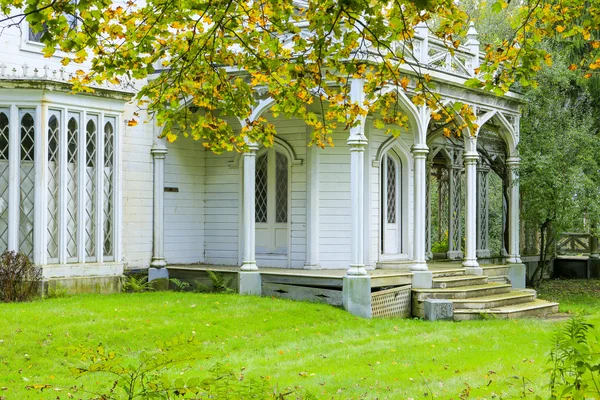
{"type": "Point", "coordinates": [514, 257]}
{"type": "Point", "coordinates": [14, 157]}
{"type": "Point", "coordinates": [312, 207]}
{"type": "Point", "coordinates": [159, 152]}
{"type": "Point", "coordinates": [470, 262]}
{"type": "Point", "coordinates": [249, 210]}
{"type": "Point", "coordinates": [357, 172]}
{"type": "Point", "coordinates": [40, 190]}
{"type": "Point", "coordinates": [420, 158]}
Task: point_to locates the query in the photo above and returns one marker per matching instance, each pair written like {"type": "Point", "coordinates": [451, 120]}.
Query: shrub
{"type": "Point", "coordinates": [19, 279]}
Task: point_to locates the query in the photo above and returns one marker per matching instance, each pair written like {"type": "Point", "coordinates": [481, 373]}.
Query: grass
{"type": "Point", "coordinates": [308, 348]}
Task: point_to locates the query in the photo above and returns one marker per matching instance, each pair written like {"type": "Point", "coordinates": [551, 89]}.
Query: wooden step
{"type": "Point", "coordinates": [494, 301]}
{"type": "Point", "coordinates": [464, 292]}
{"type": "Point", "coordinates": [459, 281]}
{"type": "Point", "coordinates": [536, 308]}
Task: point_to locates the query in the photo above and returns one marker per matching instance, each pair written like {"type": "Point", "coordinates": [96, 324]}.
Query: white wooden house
{"type": "Point", "coordinates": [87, 196]}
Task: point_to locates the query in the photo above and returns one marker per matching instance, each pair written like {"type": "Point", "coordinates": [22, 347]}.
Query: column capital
{"type": "Point", "coordinates": [357, 142]}
{"type": "Point", "coordinates": [470, 157]}
{"type": "Point", "coordinates": [252, 148]}
{"type": "Point", "coordinates": [419, 150]}
{"type": "Point", "coordinates": [513, 162]}
{"type": "Point", "coordinates": [158, 151]}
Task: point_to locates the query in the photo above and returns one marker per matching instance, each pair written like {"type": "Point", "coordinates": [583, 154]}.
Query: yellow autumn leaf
{"type": "Point", "coordinates": [560, 29]}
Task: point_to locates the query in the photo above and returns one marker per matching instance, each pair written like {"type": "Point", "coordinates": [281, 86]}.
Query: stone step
{"type": "Point", "coordinates": [459, 281]}
{"type": "Point", "coordinates": [464, 292]}
{"type": "Point", "coordinates": [494, 301]}
{"type": "Point", "coordinates": [394, 264]}
{"type": "Point", "coordinates": [536, 308]}
{"type": "Point", "coordinates": [440, 273]}
{"type": "Point", "coordinates": [495, 270]}
{"type": "Point", "coordinates": [498, 279]}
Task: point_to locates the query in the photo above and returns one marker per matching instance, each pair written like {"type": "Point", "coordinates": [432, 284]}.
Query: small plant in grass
{"type": "Point", "coordinates": [57, 292]}
{"type": "Point", "coordinates": [575, 361]}
{"type": "Point", "coordinates": [154, 374]}
{"type": "Point", "coordinates": [179, 284]}
{"type": "Point", "coordinates": [19, 278]}
{"type": "Point", "coordinates": [133, 284]}
{"type": "Point", "coordinates": [219, 282]}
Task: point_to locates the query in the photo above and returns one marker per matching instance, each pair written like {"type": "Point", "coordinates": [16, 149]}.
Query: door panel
{"type": "Point", "coordinates": [390, 201]}
{"type": "Point", "coordinates": [272, 228]}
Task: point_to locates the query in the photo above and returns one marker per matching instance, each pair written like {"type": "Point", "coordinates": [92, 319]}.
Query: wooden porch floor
{"type": "Point", "coordinates": [380, 277]}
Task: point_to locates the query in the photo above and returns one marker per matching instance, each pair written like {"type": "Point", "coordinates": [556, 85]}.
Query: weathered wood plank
{"type": "Point", "coordinates": [318, 281]}
{"type": "Point", "coordinates": [303, 293]}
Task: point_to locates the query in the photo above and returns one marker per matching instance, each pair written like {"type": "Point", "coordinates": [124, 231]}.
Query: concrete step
{"type": "Point", "coordinates": [495, 270]}
{"type": "Point", "coordinates": [464, 292]}
{"type": "Point", "coordinates": [459, 281]}
{"type": "Point", "coordinates": [494, 301]}
{"type": "Point", "coordinates": [536, 308]}
{"type": "Point", "coordinates": [394, 264]}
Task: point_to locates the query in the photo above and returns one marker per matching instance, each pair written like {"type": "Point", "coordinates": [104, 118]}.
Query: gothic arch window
{"type": "Point", "coordinates": [109, 188]}
{"type": "Point", "coordinates": [391, 196]}
{"type": "Point", "coordinates": [53, 185]}
{"type": "Point", "coordinates": [27, 182]}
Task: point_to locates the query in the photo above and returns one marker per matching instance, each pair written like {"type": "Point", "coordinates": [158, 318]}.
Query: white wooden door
{"type": "Point", "coordinates": [272, 203]}
{"type": "Point", "coordinates": [390, 201]}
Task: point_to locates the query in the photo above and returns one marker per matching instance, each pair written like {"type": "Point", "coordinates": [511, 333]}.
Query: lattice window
{"type": "Point", "coordinates": [482, 196]}
{"type": "Point", "coordinates": [391, 191]}
{"type": "Point", "coordinates": [27, 184]}
{"type": "Point", "coordinates": [443, 199]}
{"type": "Point", "coordinates": [428, 207]}
{"type": "Point", "coordinates": [72, 186]}
{"type": "Point", "coordinates": [109, 153]}
{"type": "Point", "coordinates": [261, 192]}
{"type": "Point", "coordinates": [53, 186]}
{"type": "Point", "coordinates": [90, 189]}
{"type": "Point", "coordinates": [4, 136]}
{"type": "Point", "coordinates": [456, 215]}
{"type": "Point", "coordinates": [281, 189]}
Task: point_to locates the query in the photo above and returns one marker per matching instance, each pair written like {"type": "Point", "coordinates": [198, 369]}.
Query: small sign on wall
{"type": "Point", "coordinates": [171, 189]}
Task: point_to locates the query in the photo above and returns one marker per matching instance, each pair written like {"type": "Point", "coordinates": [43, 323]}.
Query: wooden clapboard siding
{"type": "Point", "coordinates": [334, 203]}
{"type": "Point", "coordinates": [222, 209]}
{"type": "Point", "coordinates": [184, 210]}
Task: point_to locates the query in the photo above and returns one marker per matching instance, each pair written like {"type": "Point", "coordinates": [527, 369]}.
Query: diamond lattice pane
{"type": "Point", "coordinates": [72, 187]}
{"type": "Point", "coordinates": [90, 190]}
{"type": "Point", "coordinates": [261, 188]}
{"type": "Point", "coordinates": [281, 188]}
{"type": "Point", "coordinates": [27, 185]}
{"type": "Point", "coordinates": [391, 191]}
{"type": "Point", "coordinates": [3, 181]}
{"type": "Point", "coordinates": [53, 182]}
{"type": "Point", "coordinates": [108, 206]}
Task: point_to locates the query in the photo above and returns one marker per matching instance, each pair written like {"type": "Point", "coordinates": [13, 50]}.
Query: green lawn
{"type": "Point", "coordinates": [308, 348]}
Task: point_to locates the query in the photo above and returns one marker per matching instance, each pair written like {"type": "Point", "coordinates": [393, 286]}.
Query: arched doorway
{"type": "Point", "coordinates": [391, 204]}
{"type": "Point", "coordinates": [272, 204]}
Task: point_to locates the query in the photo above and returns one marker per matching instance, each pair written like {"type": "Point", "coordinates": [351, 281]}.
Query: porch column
{"type": "Point", "coordinates": [249, 210]}
{"type": "Point", "coordinates": [428, 253]}
{"type": "Point", "coordinates": [159, 153]}
{"type": "Point", "coordinates": [470, 262]}
{"type": "Point", "coordinates": [483, 212]}
{"type": "Point", "coordinates": [513, 211]}
{"type": "Point", "coordinates": [356, 293]}
{"type": "Point", "coordinates": [312, 206]}
{"type": "Point", "coordinates": [420, 157]}
{"type": "Point", "coordinates": [454, 206]}
{"type": "Point", "coordinates": [249, 281]}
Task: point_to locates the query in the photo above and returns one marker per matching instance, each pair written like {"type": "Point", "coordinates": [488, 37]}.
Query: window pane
{"type": "Point", "coordinates": [72, 186]}
{"type": "Point", "coordinates": [27, 185]}
{"type": "Point", "coordinates": [53, 182]}
{"type": "Point", "coordinates": [108, 211]}
{"type": "Point", "coordinates": [281, 188]}
{"type": "Point", "coordinates": [261, 188]}
{"type": "Point", "coordinates": [90, 189]}
{"type": "Point", "coordinates": [391, 190]}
